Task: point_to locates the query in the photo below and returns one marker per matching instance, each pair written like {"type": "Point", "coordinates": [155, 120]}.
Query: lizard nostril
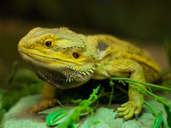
{"type": "Point", "coordinates": [32, 46]}
{"type": "Point", "coordinates": [75, 55]}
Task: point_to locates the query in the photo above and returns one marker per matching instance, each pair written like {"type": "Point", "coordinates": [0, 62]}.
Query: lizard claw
{"type": "Point", "coordinates": [129, 109]}
{"type": "Point", "coordinates": [136, 116]}
{"type": "Point", "coordinates": [116, 116]}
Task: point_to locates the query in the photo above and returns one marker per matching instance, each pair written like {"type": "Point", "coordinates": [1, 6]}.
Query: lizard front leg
{"type": "Point", "coordinates": [135, 71]}
{"type": "Point", "coordinates": [48, 99]}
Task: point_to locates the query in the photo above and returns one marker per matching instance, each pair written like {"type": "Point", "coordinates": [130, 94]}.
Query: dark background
{"type": "Point", "coordinates": [144, 22]}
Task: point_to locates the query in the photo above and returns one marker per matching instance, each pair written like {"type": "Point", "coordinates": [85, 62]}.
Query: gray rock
{"type": "Point", "coordinates": [18, 117]}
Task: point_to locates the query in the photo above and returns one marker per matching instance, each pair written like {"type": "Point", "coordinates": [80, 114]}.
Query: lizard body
{"type": "Point", "coordinates": [65, 59]}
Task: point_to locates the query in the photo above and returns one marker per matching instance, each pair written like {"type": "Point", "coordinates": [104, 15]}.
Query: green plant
{"type": "Point", "coordinates": [2, 111]}
{"type": "Point", "coordinates": [158, 116]}
{"type": "Point", "coordinates": [22, 80]}
{"type": "Point", "coordinates": [67, 117]}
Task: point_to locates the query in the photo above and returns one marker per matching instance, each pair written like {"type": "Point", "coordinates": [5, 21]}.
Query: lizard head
{"type": "Point", "coordinates": [58, 56]}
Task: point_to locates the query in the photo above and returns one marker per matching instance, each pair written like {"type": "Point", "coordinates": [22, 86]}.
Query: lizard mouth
{"type": "Point", "coordinates": [60, 77]}
{"type": "Point", "coordinates": [39, 58]}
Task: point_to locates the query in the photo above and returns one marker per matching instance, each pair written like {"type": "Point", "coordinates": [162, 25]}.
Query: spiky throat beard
{"type": "Point", "coordinates": [64, 77]}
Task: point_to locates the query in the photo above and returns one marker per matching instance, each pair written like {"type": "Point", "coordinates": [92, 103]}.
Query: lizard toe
{"type": "Point", "coordinates": [129, 109]}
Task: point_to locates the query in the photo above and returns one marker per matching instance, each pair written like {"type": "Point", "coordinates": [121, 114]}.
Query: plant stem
{"type": "Point", "coordinates": [111, 95]}
{"type": "Point", "coordinates": [140, 82]}
{"type": "Point", "coordinates": [155, 97]}
{"type": "Point", "coordinates": [149, 106]}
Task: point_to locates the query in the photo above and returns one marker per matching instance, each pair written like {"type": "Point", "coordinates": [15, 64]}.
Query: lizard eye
{"type": "Point", "coordinates": [48, 43]}
{"type": "Point", "coordinates": [75, 55]}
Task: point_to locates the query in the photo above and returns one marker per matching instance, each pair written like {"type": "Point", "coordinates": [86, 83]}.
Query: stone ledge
{"type": "Point", "coordinates": [17, 117]}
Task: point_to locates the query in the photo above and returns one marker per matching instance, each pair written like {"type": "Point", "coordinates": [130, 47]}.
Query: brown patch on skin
{"type": "Point", "coordinates": [102, 46]}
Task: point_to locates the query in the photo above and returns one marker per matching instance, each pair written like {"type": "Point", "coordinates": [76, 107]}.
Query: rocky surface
{"type": "Point", "coordinates": [18, 117]}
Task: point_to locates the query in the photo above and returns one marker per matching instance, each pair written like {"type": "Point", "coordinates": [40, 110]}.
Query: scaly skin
{"type": "Point", "coordinates": [65, 59]}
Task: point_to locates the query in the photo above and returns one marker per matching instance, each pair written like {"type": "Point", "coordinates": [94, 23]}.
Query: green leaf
{"type": "Point", "coordinates": [128, 80]}
{"type": "Point", "coordinates": [92, 98]}
{"type": "Point", "coordinates": [96, 122]}
{"type": "Point", "coordinates": [2, 111]}
{"type": "Point", "coordinates": [111, 83]}
{"type": "Point", "coordinates": [66, 117]}
{"type": "Point", "coordinates": [158, 121]}
{"type": "Point", "coordinates": [168, 111]}
{"type": "Point", "coordinates": [55, 117]}
{"type": "Point", "coordinates": [13, 72]}
{"type": "Point", "coordinates": [111, 94]}
{"type": "Point", "coordinates": [149, 106]}
{"type": "Point", "coordinates": [121, 81]}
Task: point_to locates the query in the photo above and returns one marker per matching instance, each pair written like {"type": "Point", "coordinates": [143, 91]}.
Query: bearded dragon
{"type": "Point", "coordinates": [65, 59]}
